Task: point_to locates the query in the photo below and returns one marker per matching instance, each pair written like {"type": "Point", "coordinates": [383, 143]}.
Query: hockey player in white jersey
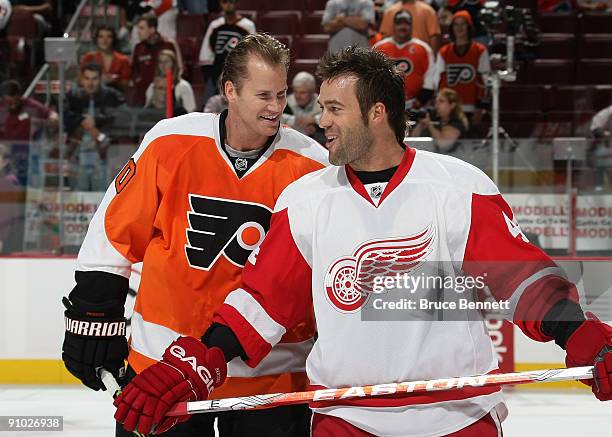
{"type": "Point", "coordinates": [386, 209]}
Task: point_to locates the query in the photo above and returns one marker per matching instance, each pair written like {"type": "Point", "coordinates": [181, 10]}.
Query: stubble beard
{"type": "Point", "coordinates": [357, 141]}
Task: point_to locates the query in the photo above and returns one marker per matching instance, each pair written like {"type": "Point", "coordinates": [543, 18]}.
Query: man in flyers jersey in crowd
{"type": "Point", "coordinates": [461, 65]}
{"type": "Point", "coordinates": [192, 204]}
{"type": "Point", "coordinates": [413, 57]}
{"type": "Point", "coordinates": [384, 207]}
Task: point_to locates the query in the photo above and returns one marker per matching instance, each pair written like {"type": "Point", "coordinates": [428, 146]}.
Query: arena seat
{"type": "Point", "coordinates": [594, 71]}
{"type": "Point", "coordinates": [594, 45]}
{"type": "Point", "coordinates": [596, 22]}
{"type": "Point", "coordinates": [556, 46]}
{"type": "Point", "coordinates": [311, 23]}
{"type": "Point", "coordinates": [312, 46]}
{"type": "Point", "coordinates": [280, 22]}
{"type": "Point", "coordinates": [557, 22]}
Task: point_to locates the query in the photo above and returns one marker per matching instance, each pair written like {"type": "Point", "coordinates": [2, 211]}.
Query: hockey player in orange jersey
{"type": "Point", "coordinates": [462, 63]}
{"type": "Point", "coordinates": [192, 204]}
{"type": "Point", "coordinates": [413, 57]}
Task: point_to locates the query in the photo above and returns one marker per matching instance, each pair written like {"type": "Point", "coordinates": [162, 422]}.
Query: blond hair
{"type": "Point", "coordinates": [453, 97]}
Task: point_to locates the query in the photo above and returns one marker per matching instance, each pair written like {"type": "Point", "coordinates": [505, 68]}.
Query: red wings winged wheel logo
{"type": "Point", "coordinates": [350, 280]}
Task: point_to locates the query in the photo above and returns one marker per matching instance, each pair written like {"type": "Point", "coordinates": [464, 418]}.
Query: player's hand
{"type": "Point", "coordinates": [95, 337]}
{"type": "Point", "coordinates": [591, 344]}
{"type": "Point", "coordinates": [188, 371]}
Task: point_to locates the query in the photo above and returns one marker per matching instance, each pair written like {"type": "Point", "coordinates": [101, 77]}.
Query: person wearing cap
{"type": "Point", "coordinates": [413, 57]}
{"type": "Point", "coordinates": [425, 24]}
{"type": "Point", "coordinates": [347, 21]}
{"type": "Point", "coordinates": [462, 64]}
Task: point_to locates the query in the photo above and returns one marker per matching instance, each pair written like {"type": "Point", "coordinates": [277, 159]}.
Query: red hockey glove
{"type": "Point", "coordinates": [591, 344]}
{"type": "Point", "coordinates": [188, 371]}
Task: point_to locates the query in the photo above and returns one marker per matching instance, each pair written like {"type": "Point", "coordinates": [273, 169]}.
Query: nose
{"type": "Point", "coordinates": [324, 121]}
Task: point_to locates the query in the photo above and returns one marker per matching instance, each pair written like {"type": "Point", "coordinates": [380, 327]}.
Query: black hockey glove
{"type": "Point", "coordinates": [95, 337]}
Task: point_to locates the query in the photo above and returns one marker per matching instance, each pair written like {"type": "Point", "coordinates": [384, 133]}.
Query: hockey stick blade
{"type": "Point", "coordinates": [257, 402]}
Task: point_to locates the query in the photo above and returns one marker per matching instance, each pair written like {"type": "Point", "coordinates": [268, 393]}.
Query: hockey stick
{"type": "Point", "coordinates": [112, 386]}
{"type": "Point", "coordinates": [397, 388]}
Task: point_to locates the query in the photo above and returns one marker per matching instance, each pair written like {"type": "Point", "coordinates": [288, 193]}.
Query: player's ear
{"type": "Point", "coordinates": [230, 90]}
{"type": "Point", "coordinates": [378, 113]}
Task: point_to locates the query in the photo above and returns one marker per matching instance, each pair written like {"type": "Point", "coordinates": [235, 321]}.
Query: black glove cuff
{"type": "Point", "coordinates": [562, 320]}
{"type": "Point", "coordinates": [83, 326]}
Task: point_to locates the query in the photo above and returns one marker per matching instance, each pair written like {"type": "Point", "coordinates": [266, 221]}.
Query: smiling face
{"type": "Point", "coordinates": [348, 138]}
{"type": "Point", "coordinates": [105, 40]}
{"type": "Point", "coordinates": [259, 101]}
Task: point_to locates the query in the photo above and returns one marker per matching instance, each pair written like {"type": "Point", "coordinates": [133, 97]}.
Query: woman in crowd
{"type": "Point", "coordinates": [116, 67]}
{"type": "Point", "coordinates": [450, 123]}
{"type": "Point", "coordinates": [183, 92]}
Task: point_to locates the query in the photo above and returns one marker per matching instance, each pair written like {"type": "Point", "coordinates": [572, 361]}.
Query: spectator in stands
{"type": "Point", "coordinates": [144, 57]}
{"type": "Point", "coordinates": [17, 113]}
{"type": "Point", "coordinates": [5, 14]}
{"type": "Point", "coordinates": [9, 207]}
{"type": "Point", "coordinates": [450, 123]}
{"type": "Point", "coordinates": [88, 113]}
{"type": "Point", "coordinates": [303, 112]}
{"type": "Point", "coordinates": [412, 56]}
{"type": "Point", "coordinates": [425, 25]}
{"type": "Point", "coordinates": [347, 21]}
{"type": "Point", "coordinates": [472, 7]}
{"type": "Point", "coordinates": [216, 104]}
{"type": "Point", "coordinates": [158, 99]}
{"type": "Point", "coordinates": [116, 68]}
{"type": "Point", "coordinates": [461, 65]}
{"type": "Point", "coordinates": [220, 38]}
{"type": "Point", "coordinates": [183, 92]}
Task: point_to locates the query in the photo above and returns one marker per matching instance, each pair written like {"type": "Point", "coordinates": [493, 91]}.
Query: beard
{"type": "Point", "coordinates": [357, 141]}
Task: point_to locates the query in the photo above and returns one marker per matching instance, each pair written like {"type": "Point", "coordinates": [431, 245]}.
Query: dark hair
{"type": "Point", "coordinates": [10, 88]}
{"type": "Point", "coordinates": [151, 19]}
{"type": "Point", "coordinates": [92, 66]}
{"type": "Point", "coordinates": [268, 49]}
{"type": "Point", "coordinates": [107, 29]}
{"type": "Point", "coordinates": [378, 80]}
{"type": "Point", "coordinates": [451, 32]}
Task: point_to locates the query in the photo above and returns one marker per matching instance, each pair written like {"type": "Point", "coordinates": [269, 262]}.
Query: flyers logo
{"type": "Point", "coordinates": [224, 227]}
{"type": "Point", "coordinates": [456, 73]}
{"type": "Point", "coordinates": [404, 65]}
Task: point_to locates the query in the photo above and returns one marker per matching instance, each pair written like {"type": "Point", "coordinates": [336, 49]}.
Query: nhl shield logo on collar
{"type": "Point", "coordinates": [376, 191]}
{"type": "Point", "coordinates": [241, 164]}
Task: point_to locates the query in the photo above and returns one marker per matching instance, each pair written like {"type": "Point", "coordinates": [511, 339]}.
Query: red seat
{"type": "Point", "coordinates": [253, 5]}
{"type": "Point", "coordinates": [596, 22]}
{"type": "Point", "coordinates": [596, 45]}
{"type": "Point", "coordinates": [286, 5]}
{"type": "Point", "coordinates": [557, 22]}
{"type": "Point", "coordinates": [309, 65]}
{"type": "Point", "coordinates": [287, 40]}
{"type": "Point", "coordinates": [22, 24]}
{"type": "Point", "coordinates": [312, 23]}
{"type": "Point", "coordinates": [189, 49]}
{"type": "Point", "coordinates": [595, 71]}
{"type": "Point", "coordinates": [556, 46]}
{"type": "Point", "coordinates": [549, 71]}
{"type": "Point", "coordinates": [570, 98]}
{"type": "Point", "coordinates": [280, 22]}
{"type": "Point", "coordinates": [578, 120]}
{"type": "Point", "coordinates": [312, 46]}
{"type": "Point", "coordinates": [314, 5]}
{"type": "Point", "coordinates": [190, 25]}
{"type": "Point", "coordinates": [521, 98]}
{"type": "Point", "coordinates": [198, 92]}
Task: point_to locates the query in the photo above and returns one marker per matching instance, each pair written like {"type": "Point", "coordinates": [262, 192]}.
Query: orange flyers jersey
{"type": "Point", "coordinates": [179, 206]}
{"type": "Point", "coordinates": [464, 73]}
{"type": "Point", "coordinates": [415, 58]}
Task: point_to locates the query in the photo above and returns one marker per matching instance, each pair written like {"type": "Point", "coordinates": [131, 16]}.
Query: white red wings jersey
{"type": "Point", "coordinates": [179, 207]}
{"type": "Point", "coordinates": [464, 73]}
{"type": "Point", "coordinates": [415, 59]}
{"type": "Point", "coordinates": [326, 234]}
